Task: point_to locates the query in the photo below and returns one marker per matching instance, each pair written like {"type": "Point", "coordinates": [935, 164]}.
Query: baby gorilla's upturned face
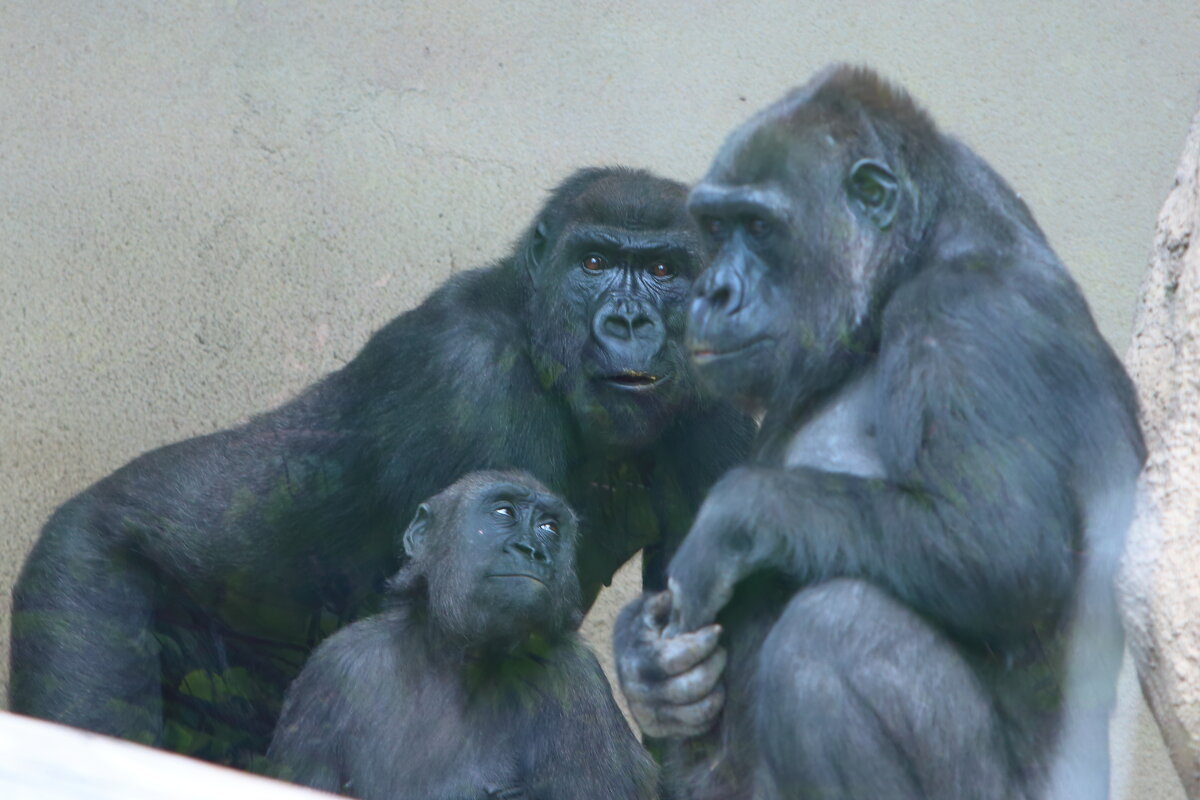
{"type": "Point", "coordinates": [498, 554]}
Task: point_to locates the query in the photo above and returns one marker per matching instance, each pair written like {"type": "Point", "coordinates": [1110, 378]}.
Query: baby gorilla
{"type": "Point", "coordinates": [472, 683]}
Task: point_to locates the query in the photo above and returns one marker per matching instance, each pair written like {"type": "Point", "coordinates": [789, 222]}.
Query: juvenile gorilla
{"type": "Point", "coordinates": [473, 683]}
{"type": "Point", "coordinates": [913, 572]}
{"type": "Point", "coordinates": [174, 601]}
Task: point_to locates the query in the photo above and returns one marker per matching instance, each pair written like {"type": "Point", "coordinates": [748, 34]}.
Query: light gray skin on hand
{"type": "Point", "coordinates": [672, 683]}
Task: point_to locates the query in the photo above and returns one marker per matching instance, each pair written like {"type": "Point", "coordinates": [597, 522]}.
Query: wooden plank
{"type": "Point", "coordinates": [43, 761]}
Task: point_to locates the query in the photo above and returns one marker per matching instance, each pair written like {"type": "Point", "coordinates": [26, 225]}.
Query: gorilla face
{"type": "Point", "coordinates": [801, 217]}
{"type": "Point", "coordinates": [611, 262]}
{"type": "Point", "coordinates": [497, 553]}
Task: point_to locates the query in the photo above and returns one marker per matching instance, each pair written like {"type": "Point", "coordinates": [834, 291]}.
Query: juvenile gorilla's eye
{"type": "Point", "coordinates": [757, 226]}
{"type": "Point", "coordinates": [661, 269]}
{"type": "Point", "coordinates": [594, 263]}
{"type": "Point", "coordinates": [549, 526]}
{"type": "Point", "coordinates": [713, 226]}
{"type": "Point", "coordinates": [505, 511]}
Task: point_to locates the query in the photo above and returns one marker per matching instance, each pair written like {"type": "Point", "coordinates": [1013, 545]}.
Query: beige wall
{"type": "Point", "coordinates": [207, 205]}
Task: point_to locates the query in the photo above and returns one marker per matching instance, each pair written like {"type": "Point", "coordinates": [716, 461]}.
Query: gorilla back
{"type": "Point", "coordinates": [173, 601]}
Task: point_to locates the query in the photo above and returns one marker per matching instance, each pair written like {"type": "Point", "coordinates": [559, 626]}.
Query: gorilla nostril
{"type": "Point", "coordinates": [631, 332]}
{"type": "Point", "coordinates": [617, 326]}
{"type": "Point", "coordinates": [528, 550]}
{"type": "Point", "coordinates": [720, 296]}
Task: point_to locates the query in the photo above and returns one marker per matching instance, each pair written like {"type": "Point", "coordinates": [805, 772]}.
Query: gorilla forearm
{"type": "Point", "coordinates": [950, 562]}
{"type": "Point", "coordinates": [101, 615]}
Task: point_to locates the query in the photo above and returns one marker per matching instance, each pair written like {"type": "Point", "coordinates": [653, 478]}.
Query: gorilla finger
{"type": "Point", "coordinates": [649, 723]}
{"type": "Point", "coordinates": [677, 624]}
{"type": "Point", "coordinates": [656, 610]}
{"type": "Point", "coordinates": [693, 610]}
{"type": "Point", "coordinates": [639, 694]}
{"type": "Point", "coordinates": [693, 719]}
{"type": "Point", "coordinates": [697, 683]}
{"type": "Point", "coordinates": [652, 695]}
{"type": "Point", "coordinates": [683, 689]}
{"type": "Point", "coordinates": [677, 654]}
{"type": "Point", "coordinates": [662, 722]}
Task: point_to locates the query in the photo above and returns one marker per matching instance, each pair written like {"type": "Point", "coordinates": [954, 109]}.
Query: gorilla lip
{"type": "Point", "coordinates": [703, 355]}
{"type": "Point", "coordinates": [518, 575]}
{"type": "Point", "coordinates": [633, 380]}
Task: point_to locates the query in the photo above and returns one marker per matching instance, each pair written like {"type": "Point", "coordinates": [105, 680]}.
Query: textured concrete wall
{"type": "Point", "coordinates": [207, 205]}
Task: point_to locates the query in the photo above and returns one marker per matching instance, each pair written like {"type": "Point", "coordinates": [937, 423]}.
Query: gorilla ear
{"type": "Point", "coordinates": [875, 189]}
{"type": "Point", "coordinates": [536, 251]}
{"type": "Point", "coordinates": [414, 537]}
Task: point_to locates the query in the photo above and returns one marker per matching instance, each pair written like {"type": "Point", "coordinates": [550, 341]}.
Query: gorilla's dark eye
{"type": "Point", "coordinates": [872, 183]}
{"type": "Point", "coordinates": [505, 511]}
{"type": "Point", "coordinates": [757, 226]}
{"type": "Point", "coordinates": [549, 526]}
{"type": "Point", "coordinates": [594, 263]}
{"type": "Point", "coordinates": [713, 226]}
{"type": "Point", "coordinates": [661, 269]}
{"type": "Point", "coordinates": [876, 190]}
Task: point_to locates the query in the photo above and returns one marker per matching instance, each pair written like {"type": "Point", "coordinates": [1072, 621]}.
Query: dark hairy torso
{"type": "Point", "coordinates": [300, 508]}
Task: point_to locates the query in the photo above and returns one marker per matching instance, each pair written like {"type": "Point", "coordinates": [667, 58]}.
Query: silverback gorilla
{"type": "Point", "coordinates": [174, 601]}
{"type": "Point", "coordinates": [473, 683]}
{"type": "Point", "coordinates": [912, 574]}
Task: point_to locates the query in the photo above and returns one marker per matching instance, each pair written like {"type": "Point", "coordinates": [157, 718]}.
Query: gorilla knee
{"type": "Point", "coordinates": [863, 698]}
{"type": "Point", "coordinates": [834, 621]}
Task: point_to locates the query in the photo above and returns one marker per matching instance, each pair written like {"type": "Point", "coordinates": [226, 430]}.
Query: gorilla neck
{"type": "Point", "coordinates": [805, 394]}
{"type": "Point", "coordinates": [487, 643]}
{"type": "Point", "coordinates": [839, 435]}
{"type": "Point", "coordinates": [505, 659]}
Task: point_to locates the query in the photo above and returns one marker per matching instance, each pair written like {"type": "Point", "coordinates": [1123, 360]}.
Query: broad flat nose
{"type": "Point", "coordinates": [630, 329]}
{"type": "Point", "coordinates": [718, 291]}
{"type": "Point", "coordinates": [529, 551]}
{"type": "Point", "coordinates": [627, 321]}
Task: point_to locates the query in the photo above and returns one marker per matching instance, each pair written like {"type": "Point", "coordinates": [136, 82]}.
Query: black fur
{"type": "Point", "coordinates": [468, 685]}
{"type": "Point", "coordinates": [939, 493]}
{"type": "Point", "coordinates": [173, 601]}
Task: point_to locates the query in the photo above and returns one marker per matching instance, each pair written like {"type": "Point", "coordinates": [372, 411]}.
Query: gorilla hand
{"type": "Point", "coordinates": [735, 533]}
{"type": "Point", "coordinates": [672, 683]}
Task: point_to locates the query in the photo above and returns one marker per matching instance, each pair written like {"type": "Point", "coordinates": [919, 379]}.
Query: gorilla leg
{"type": "Point", "coordinates": [859, 697]}
{"type": "Point", "coordinates": [83, 650]}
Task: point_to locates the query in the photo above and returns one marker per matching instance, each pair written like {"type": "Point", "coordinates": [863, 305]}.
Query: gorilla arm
{"type": "Point", "coordinates": [316, 726]}
{"type": "Point", "coordinates": [979, 406]}
{"type": "Point", "coordinates": [599, 758]}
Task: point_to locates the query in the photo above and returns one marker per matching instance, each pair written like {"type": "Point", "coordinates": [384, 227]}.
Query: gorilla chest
{"type": "Point", "coordinates": [840, 435]}
{"type": "Point", "coordinates": [443, 743]}
{"type": "Point", "coordinates": [624, 507]}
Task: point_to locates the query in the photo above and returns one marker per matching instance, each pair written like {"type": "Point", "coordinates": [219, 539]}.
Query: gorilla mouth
{"type": "Point", "coordinates": [633, 380]}
{"type": "Point", "coordinates": [533, 578]}
{"type": "Point", "coordinates": [704, 355]}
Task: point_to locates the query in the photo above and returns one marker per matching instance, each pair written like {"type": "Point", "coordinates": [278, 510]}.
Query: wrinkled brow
{"type": "Point", "coordinates": [509, 491]}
